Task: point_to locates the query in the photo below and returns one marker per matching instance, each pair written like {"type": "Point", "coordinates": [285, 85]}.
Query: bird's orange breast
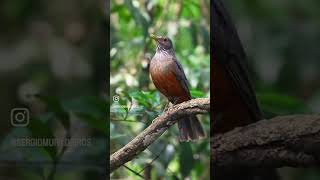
{"type": "Point", "coordinates": [164, 78]}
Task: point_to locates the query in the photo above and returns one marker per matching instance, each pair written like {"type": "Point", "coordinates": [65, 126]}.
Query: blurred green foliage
{"type": "Point", "coordinates": [136, 102]}
{"type": "Point", "coordinates": [55, 49]}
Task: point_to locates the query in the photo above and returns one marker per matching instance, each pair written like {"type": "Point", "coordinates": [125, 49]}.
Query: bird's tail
{"type": "Point", "coordinates": [190, 129]}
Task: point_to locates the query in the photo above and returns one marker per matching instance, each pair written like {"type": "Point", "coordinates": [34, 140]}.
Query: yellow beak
{"type": "Point", "coordinates": [152, 36]}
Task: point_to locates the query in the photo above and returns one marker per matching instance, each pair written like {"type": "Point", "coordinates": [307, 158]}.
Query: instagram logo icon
{"type": "Point", "coordinates": [19, 117]}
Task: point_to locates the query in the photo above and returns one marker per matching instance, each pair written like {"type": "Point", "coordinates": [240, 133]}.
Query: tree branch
{"type": "Point", "coordinates": [156, 129]}
{"type": "Point", "coordinates": [282, 141]}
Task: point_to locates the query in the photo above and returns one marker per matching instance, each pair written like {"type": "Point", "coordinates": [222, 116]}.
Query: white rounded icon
{"type": "Point", "coordinates": [20, 117]}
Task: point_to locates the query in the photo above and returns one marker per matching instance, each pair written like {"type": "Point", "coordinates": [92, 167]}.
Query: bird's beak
{"type": "Point", "coordinates": [154, 37]}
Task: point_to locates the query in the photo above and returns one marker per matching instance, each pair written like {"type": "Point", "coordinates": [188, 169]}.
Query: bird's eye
{"type": "Point", "coordinates": [165, 39]}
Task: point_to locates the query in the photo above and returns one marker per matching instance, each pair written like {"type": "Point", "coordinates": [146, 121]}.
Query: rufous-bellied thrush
{"type": "Point", "coordinates": [169, 78]}
{"type": "Point", "coordinates": [234, 99]}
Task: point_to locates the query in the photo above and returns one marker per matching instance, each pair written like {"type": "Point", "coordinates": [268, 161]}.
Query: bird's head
{"type": "Point", "coordinates": [163, 43]}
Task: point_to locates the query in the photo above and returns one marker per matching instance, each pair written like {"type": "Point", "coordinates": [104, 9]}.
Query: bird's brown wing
{"type": "Point", "coordinates": [181, 77]}
{"type": "Point", "coordinates": [229, 53]}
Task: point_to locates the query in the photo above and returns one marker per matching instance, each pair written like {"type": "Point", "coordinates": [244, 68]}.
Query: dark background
{"type": "Point", "coordinates": [281, 39]}
{"type": "Point", "coordinates": [57, 49]}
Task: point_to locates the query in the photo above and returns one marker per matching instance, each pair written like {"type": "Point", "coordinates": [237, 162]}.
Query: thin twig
{"type": "Point", "coordinates": [134, 172]}
{"type": "Point", "coordinates": [155, 158]}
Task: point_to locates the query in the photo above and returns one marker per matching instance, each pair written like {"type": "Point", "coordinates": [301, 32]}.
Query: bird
{"type": "Point", "coordinates": [235, 102]}
{"type": "Point", "coordinates": [234, 99]}
{"type": "Point", "coordinates": [169, 78]}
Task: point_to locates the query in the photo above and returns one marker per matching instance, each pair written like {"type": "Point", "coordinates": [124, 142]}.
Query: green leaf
{"type": "Point", "coordinates": [55, 106]}
{"type": "Point", "coordinates": [147, 99]}
{"type": "Point", "coordinates": [88, 104]}
{"type": "Point", "coordinates": [95, 122]}
{"type": "Point", "coordinates": [185, 159]}
{"type": "Point", "coordinates": [278, 104]}
{"type": "Point", "coordinates": [124, 104]}
{"type": "Point", "coordinates": [196, 93]}
{"type": "Point", "coordinates": [41, 130]}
